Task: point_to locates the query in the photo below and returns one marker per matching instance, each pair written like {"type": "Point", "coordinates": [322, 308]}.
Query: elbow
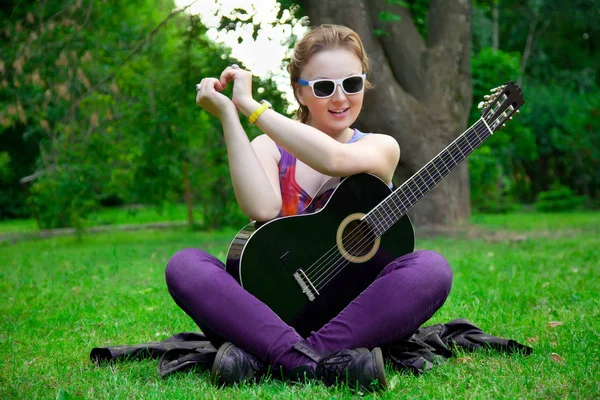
{"type": "Point", "coordinates": [264, 214]}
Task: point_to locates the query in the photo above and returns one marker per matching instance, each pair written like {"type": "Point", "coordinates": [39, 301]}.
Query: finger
{"type": "Point", "coordinates": [210, 85]}
{"type": "Point", "coordinates": [229, 74]}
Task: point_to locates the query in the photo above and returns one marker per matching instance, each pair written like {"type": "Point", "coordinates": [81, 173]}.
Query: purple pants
{"type": "Point", "coordinates": [404, 295]}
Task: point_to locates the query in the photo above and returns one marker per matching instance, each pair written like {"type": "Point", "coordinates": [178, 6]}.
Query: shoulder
{"type": "Point", "coordinates": [264, 145]}
{"type": "Point", "coordinates": [383, 142]}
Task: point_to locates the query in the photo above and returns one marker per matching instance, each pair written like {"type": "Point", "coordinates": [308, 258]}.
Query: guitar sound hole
{"type": "Point", "coordinates": [358, 238]}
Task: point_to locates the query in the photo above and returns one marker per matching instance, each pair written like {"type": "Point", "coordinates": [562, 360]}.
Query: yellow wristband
{"type": "Point", "coordinates": [263, 106]}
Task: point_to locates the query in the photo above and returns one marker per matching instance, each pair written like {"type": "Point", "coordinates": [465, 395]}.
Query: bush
{"type": "Point", "coordinates": [559, 198]}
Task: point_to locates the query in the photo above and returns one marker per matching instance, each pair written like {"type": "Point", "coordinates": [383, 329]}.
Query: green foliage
{"type": "Point", "coordinates": [491, 167]}
{"type": "Point", "coordinates": [64, 196]}
{"type": "Point", "coordinates": [5, 171]}
{"type": "Point", "coordinates": [559, 198]}
{"type": "Point", "coordinates": [567, 135]}
{"type": "Point", "coordinates": [112, 106]}
{"type": "Point", "coordinates": [388, 16]}
{"type": "Point", "coordinates": [554, 140]}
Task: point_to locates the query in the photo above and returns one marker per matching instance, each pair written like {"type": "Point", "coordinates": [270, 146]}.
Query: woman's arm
{"type": "Point", "coordinates": [253, 167]}
{"type": "Point", "coordinates": [377, 154]}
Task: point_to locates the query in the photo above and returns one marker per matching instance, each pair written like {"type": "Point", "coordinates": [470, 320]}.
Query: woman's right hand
{"type": "Point", "coordinates": [208, 97]}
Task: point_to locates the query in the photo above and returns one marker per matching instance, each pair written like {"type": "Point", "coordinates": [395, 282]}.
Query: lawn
{"type": "Point", "coordinates": [529, 277]}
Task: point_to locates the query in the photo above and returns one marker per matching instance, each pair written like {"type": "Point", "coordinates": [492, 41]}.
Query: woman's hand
{"type": "Point", "coordinates": [208, 97]}
{"type": "Point", "coordinates": [242, 88]}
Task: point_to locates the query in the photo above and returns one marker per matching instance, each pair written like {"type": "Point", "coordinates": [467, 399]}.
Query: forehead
{"type": "Point", "coordinates": [336, 63]}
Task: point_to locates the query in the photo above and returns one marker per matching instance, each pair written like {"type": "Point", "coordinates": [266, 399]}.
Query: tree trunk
{"type": "Point", "coordinates": [188, 193]}
{"type": "Point", "coordinates": [422, 94]}
{"type": "Point", "coordinates": [495, 27]}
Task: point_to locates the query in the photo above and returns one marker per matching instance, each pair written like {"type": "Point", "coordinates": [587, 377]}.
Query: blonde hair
{"type": "Point", "coordinates": [320, 38]}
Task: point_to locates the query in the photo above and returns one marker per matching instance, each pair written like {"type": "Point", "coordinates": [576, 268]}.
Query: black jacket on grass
{"type": "Point", "coordinates": [427, 346]}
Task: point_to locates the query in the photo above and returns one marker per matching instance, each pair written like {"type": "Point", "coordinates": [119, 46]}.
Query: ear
{"type": "Point", "coordinates": [299, 94]}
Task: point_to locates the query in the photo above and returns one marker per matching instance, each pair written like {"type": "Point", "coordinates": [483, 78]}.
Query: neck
{"type": "Point", "coordinates": [397, 204]}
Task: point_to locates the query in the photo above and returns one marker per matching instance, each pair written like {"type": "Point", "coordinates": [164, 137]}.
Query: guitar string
{"type": "Point", "coordinates": [427, 179]}
{"type": "Point", "coordinates": [334, 271]}
{"type": "Point", "coordinates": [368, 239]}
{"type": "Point", "coordinates": [453, 150]}
{"type": "Point", "coordinates": [357, 231]}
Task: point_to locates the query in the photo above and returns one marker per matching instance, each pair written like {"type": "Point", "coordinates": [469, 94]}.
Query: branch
{"type": "Point", "coordinates": [129, 56]}
{"type": "Point", "coordinates": [403, 46]}
{"type": "Point", "coordinates": [445, 20]}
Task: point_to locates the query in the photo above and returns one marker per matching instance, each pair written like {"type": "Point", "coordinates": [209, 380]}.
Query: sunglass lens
{"type": "Point", "coordinates": [353, 84]}
{"type": "Point", "coordinates": [323, 88]}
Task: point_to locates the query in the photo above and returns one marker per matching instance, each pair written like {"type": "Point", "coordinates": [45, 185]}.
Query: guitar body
{"type": "Point", "coordinates": [266, 258]}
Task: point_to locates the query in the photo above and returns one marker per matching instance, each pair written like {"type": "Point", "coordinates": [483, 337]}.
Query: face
{"type": "Point", "coordinates": [332, 115]}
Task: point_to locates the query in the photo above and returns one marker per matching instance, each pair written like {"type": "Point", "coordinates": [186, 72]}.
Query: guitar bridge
{"type": "Point", "coordinates": [306, 285]}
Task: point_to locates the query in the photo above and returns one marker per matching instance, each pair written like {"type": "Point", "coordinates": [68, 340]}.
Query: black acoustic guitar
{"type": "Point", "coordinates": [307, 268]}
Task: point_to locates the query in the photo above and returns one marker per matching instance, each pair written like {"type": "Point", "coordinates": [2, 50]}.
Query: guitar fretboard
{"type": "Point", "coordinates": [397, 204]}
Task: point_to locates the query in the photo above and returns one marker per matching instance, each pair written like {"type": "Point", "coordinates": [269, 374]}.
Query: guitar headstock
{"type": "Point", "coordinates": [501, 105]}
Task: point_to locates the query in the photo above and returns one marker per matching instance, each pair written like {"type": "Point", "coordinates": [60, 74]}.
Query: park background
{"type": "Point", "coordinates": [99, 132]}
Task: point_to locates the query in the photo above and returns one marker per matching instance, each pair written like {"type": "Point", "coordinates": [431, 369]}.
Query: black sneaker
{"type": "Point", "coordinates": [360, 368]}
{"type": "Point", "coordinates": [234, 365]}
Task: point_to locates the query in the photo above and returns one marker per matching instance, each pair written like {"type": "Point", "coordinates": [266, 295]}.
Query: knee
{"type": "Point", "coordinates": [438, 268]}
{"type": "Point", "coordinates": [182, 266]}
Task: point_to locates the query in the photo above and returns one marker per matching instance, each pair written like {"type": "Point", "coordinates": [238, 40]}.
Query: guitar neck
{"type": "Point", "coordinates": [397, 204]}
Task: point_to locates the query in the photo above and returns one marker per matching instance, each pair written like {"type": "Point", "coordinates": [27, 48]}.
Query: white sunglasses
{"type": "Point", "coordinates": [323, 88]}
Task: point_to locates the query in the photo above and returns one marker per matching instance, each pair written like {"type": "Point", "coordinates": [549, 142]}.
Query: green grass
{"type": "Point", "coordinates": [61, 297]}
{"type": "Point", "coordinates": [112, 216]}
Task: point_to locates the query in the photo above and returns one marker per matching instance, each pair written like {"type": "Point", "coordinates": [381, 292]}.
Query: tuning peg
{"type": "Point", "coordinates": [480, 105]}
{"type": "Point", "coordinates": [487, 97]}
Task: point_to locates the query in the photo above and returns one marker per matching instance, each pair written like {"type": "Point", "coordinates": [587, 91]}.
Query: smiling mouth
{"type": "Point", "coordinates": [339, 111]}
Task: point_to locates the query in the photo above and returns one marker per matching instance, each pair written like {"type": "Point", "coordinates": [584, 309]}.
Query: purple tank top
{"type": "Point", "coordinates": [294, 199]}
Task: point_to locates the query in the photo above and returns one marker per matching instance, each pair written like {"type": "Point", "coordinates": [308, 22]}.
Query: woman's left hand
{"type": "Point", "coordinates": [242, 87]}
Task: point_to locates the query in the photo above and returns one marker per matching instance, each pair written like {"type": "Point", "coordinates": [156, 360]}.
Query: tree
{"type": "Point", "coordinates": [422, 93]}
{"type": "Point", "coordinates": [107, 92]}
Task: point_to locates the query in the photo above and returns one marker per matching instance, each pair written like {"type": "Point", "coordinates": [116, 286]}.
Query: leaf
{"type": "Point", "coordinates": [556, 357]}
{"type": "Point", "coordinates": [387, 16]}
{"type": "Point", "coordinates": [380, 32]}
{"type": "Point", "coordinates": [553, 324]}
{"type": "Point", "coordinates": [22, 115]}
{"type": "Point", "coordinates": [398, 3]}
{"type": "Point", "coordinates": [533, 339]}
{"type": "Point", "coordinates": [44, 123]}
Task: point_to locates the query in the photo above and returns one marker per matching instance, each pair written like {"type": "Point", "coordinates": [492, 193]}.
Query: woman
{"type": "Point", "coordinates": [277, 174]}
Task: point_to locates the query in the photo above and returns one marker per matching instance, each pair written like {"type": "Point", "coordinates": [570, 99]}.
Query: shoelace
{"type": "Point", "coordinates": [333, 367]}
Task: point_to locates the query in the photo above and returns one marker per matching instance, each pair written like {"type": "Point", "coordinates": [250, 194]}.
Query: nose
{"type": "Point", "coordinates": [338, 94]}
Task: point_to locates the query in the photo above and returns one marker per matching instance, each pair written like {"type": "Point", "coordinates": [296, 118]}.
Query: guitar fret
{"type": "Point", "coordinates": [407, 185]}
{"type": "Point", "coordinates": [461, 153]}
{"type": "Point", "coordinates": [450, 153]}
{"type": "Point", "coordinates": [468, 144]}
{"type": "Point", "coordinates": [433, 178]}
{"type": "Point", "coordinates": [417, 186]}
{"type": "Point", "coordinates": [410, 192]}
{"type": "Point", "coordinates": [427, 186]}
{"type": "Point", "coordinates": [393, 201]}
